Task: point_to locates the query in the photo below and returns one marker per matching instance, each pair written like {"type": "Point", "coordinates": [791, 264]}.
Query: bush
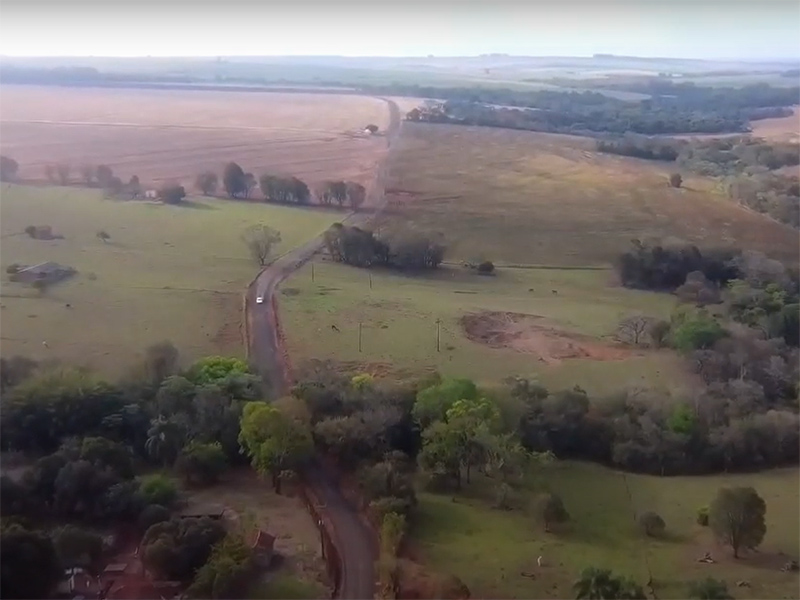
{"type": "Point", "coordinates": [675, 180]}
{"type": "Point", "coordinates": [486, 267]}
{"type": "Point", "coordinates": [13, 269]}
{"type": "Point", "coordinates": [702, 516]}
{"type": "Point", "coordinates": [201, 464]}
{"type": "Point", "coordinates": [158, 489]}
{"type": "Point", "coordinates": [651, 524]}
{"type": "Point", "coordinates": [390, 504]}
{"type": "Point", "coordinates": [152, 514]}
{"type": "Point", "coordinates": [172, 194]}
{"type": "Point", "coordinates": [549, 510]}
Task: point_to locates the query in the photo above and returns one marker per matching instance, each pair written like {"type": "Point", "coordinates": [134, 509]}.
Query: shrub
{"type": "Point", "coordinates": [549, 509]}
{"type": "Point", "coordinates": [152, 514]}
{"type": "Point", "coordinates": [13, 269]}
{"type": "Point", "coordinates": [675, 180]}
{"type": "Point", "coordinates": [651, 524]}
{"type": "Point", "coordinates": [158, 489]}
{"type": "Point", "coordinates": [390, 504]}
{"type": "Point", "coordinates": [31, 231]}
{"type": "Point", "coordinates": [702, 516]}
{"type": "Point", "coordinates": [486, 267]}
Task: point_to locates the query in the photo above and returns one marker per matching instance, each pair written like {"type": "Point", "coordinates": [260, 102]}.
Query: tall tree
{"type": "Point", "coordinates": [260, 240]}
{"type": "Point", "coordinates": [273, 441]}
{"type": "Point", "coordinates": [736, 516]}
{"type": "Point", "coordinates": [207, 182]}
{"type": "Point", "coordinates": [233, 180]}
{"type": "Point", "coordinates": [8, 168]}
{"type": "Point", "coordinates": [164, 440]}
{"type": "Point", "coordinates": [29, 566]}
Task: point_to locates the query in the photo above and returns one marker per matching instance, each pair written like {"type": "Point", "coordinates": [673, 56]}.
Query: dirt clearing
{"type": "Point", "coordinates": [532, 334]}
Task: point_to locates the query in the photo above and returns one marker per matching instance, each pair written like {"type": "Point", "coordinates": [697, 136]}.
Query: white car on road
{"type": "Point", "coordinates": [259, 299]}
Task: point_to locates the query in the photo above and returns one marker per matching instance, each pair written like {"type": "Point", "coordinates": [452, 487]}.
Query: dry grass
{"type": "Point", "coordinates": [783, 129]}
{"type": "Point", "coordinates": [538, 198]}
{"type": "Point", "coordinates": [164, 135]}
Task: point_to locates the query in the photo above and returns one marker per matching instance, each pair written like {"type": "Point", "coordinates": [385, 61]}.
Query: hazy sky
{"type": "Point", "coordinates": [675, 28]}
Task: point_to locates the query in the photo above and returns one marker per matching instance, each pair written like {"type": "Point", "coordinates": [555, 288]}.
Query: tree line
{"type": "Point", "coordinates": [671, 109]}
{"type": "Point", "coordinates": [404, 250]}
{"type": "Point", "coordinates": [236, 183]}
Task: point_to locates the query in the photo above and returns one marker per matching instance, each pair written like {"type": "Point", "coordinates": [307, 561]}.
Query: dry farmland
{"type": "Point", "coordinates": [172, 135]}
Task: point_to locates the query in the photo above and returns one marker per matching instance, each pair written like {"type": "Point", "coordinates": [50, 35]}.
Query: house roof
{"type": "Point", "coordinates": [263, 540]}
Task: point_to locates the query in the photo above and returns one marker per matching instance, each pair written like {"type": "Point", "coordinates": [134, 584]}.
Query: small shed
{"type": "Point", "coordinates": [210, 511]}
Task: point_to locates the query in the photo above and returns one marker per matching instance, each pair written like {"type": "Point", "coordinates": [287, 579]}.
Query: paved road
{"type": "Point", "coordinates": [354, 541]}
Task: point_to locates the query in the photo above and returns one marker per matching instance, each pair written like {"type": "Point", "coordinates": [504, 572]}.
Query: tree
{"type": "Point", "coordinates": [372, 128]}
{"type": "Point", "coordinates": [226, 573]}
{"type": "Point", "coordinates": [233, 180]}
{"type": "Point", "coordinates": [160, 361]}
{"type": "Point", "coordinates": [103, 235]}
{"type": "Point", "coordinates": [250, 183]}
{"type": "Point", "coordinates": [356, 194]}
{"type": "Point", "coordinates": [432, 403]}
{"type": "Point", "coordinates": [486, 267]}
{"type": "Point", "coordinates": [63, 171]}
{"type": "Point", "coordinates": [736, 516]}
{"type": "Point", "coordinates": [8, 168]}
{"type": "Point", "coordinates": [134, 186]}
{"type": "Point", "coordinates": [77, 547]}
{"type": "Point", "coordinates": [164, 440]}
{"type": "Point", "coordinates": [273, 441]}
{"type": "Point", "coordinates": [213, 369]}
{"type": "Point", "coordinates": [29, 566]}
{"type": "Point", "coordinates": [651, 524]}
{"type": "Point", "coordinates": [696, 332]}
{"type": "Point", "coordinates": [675, 180]}
{"type": "Point", "coordinates": [177, 548]}
{"type": "Point", "coordinates": [172, 193]}
{"type": "Point", "coordinates": [602, 584]}
{"type": "Point", "coordinates": [201, 464]}
{"type": "Point", "coordinates": [207, 183]}
{"type": "Point", "coordinates": [103, 174]}
{"type": "Point", "coordinates": [102, 452]}
{"type": "Point", "coordinates": [158, 489]}
{"type": "Point", "coordinates": [634, 329]}
{"type": "Point", "coordinates": [152, 514]}
{"type": "Point", "coordinates": [260, 239]}
{"type": "Point", "coordinates": [88, 174]}
{"type": "Point", "coordinates": [333, 191]}
{"type": "Point", "coordinates": [709, 589]}
{"type": "Point", "coordinates": [549, 509]}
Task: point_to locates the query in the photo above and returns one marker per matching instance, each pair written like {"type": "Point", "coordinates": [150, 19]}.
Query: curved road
{"type": "Point", "coordinates": [354, 541]}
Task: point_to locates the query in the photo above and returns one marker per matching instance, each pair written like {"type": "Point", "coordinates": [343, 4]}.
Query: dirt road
{"type": "Point", "coordinates": [353, 540]}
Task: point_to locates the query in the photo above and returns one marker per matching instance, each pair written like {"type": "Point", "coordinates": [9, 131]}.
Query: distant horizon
{"type": "Point", "coordinates": [722, 30]}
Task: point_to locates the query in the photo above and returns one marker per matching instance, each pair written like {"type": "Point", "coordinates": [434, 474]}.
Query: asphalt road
{"type": "Point", "coordinates": [355, 543]}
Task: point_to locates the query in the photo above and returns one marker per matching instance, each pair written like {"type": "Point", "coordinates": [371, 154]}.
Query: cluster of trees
{"type": "Point", "coordinates": [772, 194]}
{"type": "Point", "coordinates": [717, 156]}
{"type": "Point", "coordinates": [672, 109]}
{"type": "Point", "coordinates": [92, 437]}
{"type": "Point", "coordinates": [405, 250]}
{"type": "Point", "coordinates": [280, 189]}
{"type": "Point", "coordinates": [8, 168]}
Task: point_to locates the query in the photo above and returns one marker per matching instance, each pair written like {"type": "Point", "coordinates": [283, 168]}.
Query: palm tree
{"type": "Point", "coordinates": [709, 589]}
{"type": "Point", "coordinates": [164, 440]}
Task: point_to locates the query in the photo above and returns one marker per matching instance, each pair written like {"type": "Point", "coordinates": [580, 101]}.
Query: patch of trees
{"type": "Point", "coordinates": [342, 193]}
{"type": "Point", "coordinates": [178, 548]}
{"type": "Point", "coordinates": [772, 194]}
{"type": "Point", "coordinates": [404, 250]}
{"type": "Point", "coordinates": [8, 168]}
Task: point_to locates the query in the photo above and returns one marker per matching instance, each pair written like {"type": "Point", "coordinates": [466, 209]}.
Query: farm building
{"type": "Point", "coordinates": [49, 272]}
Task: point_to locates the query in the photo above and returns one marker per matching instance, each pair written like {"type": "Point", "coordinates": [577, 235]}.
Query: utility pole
{"type": "Point", "coordinates": [359, 336]}
{"type": "Point", "coordinates": [370, 281]}
{"type": "Point", "coordinates": [438, 334]}
{"type": "Point", "coordinates": [312, 271]}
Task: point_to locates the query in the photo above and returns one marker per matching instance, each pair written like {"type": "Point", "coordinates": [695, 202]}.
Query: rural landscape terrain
{"type": "Point", "coordinates": [492, 327]}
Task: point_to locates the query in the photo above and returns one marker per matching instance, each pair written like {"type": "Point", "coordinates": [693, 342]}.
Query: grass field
{"type": "Point", "coordinates": [491, 549]}
{"type": "Point", "coordinates": [168, 272]}
{"type": "Point", "coordinates": [534, 198]}
{"type": "Point", "coordinates": [399, 314]}
{"type": "Point", "coordinates": [163, 135]}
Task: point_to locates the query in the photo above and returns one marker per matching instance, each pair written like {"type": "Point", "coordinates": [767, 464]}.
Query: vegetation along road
{"type": "Point", "coordinates": [350, 536]}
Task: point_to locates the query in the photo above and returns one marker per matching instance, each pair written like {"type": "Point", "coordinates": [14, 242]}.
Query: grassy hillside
{"type": "Point", "coordinates": [167, 272]}
{"type": "Point", "coordinates": [532, 198]}
{"type": "Point", "coordinates": [491, 549]}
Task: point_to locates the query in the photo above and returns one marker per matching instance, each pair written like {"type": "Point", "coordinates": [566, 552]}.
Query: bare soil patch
{"type": "Point", "coordinates": [531, 334]}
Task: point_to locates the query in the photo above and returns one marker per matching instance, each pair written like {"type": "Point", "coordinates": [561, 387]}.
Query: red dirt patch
{"type": "Point", "coordinates": [532, 334]}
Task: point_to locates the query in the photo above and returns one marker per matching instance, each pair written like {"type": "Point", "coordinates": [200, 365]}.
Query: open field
{"type": "Point", "coordinates": [533, 198]}
{"type": "Point", "coordinates": [163, 135]}
{"type": "Point", "coordinates": [783, 129]}
{"type": "Point", "coordinates": [168, 272]}
{"type": "Point", "coordinates": [398, 317]}
{"type": "Point", "coordinates": [491, 549]}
